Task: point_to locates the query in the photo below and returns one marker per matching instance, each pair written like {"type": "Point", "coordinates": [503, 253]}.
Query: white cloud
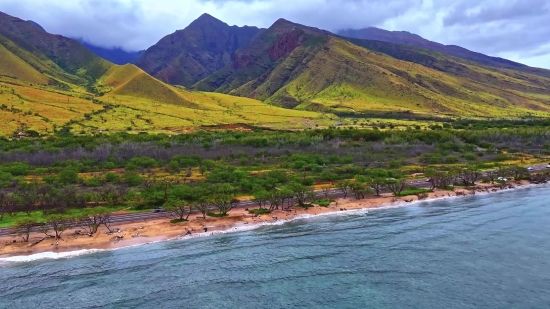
{"type": "Point", "coordinates": [496, 27]}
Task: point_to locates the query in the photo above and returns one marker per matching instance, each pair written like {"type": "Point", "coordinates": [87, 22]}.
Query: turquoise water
{"type": "Point", "coordinates": [489, 251]}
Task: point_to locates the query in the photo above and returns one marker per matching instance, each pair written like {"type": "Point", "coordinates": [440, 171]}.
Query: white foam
{"type": "Point", "coordinates": [248, 227]}
{"type": "Point", "coordinates": [48, 255]}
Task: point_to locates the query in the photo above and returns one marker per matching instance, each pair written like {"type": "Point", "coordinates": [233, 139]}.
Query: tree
{"type": "Point", "coordinates": [178, 208]}
{"type": "Point", "coordinates": [68, 175]}
{"type": "Point", "coordinates": [493, 175]}
{"type": "Point", "coordinates": [378, 184]}
{"type": "Point", "coordinates": [27, 197]}
{"type": "Point", "coordinates": [133, 178]}
{"type": "Point", "coordinates": [202, 206]}
{"type": "Point", "coordinates": [59, 224]}
{"type": "Point", "coordinates": [224, 203]}
{"type": "Point", "coordinates": [519, 172]}
{"type": "Point", "coordinates": [344, 186]}
{"type": "Point", "coordinates": [468, 175]}
{"type": "Point", "coordinates": [326, 190]}
{"type": "Point", "coordinates": [5, 204]}
{"type": "Point", "coordinates": [277, 198]}
{"type": "Point", "coordinates": [261, 198]}
{"type": "Point", "coordinates": [302, 193]}
{"type": "Point", "coordinates": [23, 227]}
{"type": "Point", "coordinates": [104, 217]}
{"type": "Point", "coordinates": [91, 220]}
{"type": "Point", "coordinates": [396, 186]}
{"type": "Point", "coordinates": [359, 190]}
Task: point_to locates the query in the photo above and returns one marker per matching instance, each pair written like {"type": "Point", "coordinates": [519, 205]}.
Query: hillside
{"type": "Point", "coordinates": [59, 57]}
{"type": "Point", "coordinates": [42, 94]}
{"type": "Point", "coordinates": [294, 66]}
{"type": "Point", "coordinates": [411, 39]}
{"type": "Point", "coordinates": [189, 55]}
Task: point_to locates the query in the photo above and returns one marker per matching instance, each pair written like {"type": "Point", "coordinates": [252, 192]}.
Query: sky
{"type": "Point", "coordinates": [518, 30]}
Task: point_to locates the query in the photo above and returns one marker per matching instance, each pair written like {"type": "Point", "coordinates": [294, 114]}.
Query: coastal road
{"type": "Point", "coordinates": [130, 217]}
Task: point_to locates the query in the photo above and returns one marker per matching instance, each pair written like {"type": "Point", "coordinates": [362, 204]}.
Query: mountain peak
{"type": "Point", "coordinates": [282, 21]}
{"type": "Point", "coordinates": [206, 19]}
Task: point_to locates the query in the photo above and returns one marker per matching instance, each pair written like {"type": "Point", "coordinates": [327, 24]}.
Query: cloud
{"type": "Point", "coordinates": [513, 28]}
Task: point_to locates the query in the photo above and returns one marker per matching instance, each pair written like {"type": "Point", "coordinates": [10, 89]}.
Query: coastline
{"type": "Point", "coordinates": [158, 230]}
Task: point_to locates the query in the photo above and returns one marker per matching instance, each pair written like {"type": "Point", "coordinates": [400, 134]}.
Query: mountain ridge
{"type": "Point", "coordinates": [411, 39]}
{"type": "Point", "coordinates": [191, 54]}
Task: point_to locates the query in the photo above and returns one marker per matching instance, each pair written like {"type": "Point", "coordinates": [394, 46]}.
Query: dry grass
{"type": "Point", "coordinates": [13, 66]}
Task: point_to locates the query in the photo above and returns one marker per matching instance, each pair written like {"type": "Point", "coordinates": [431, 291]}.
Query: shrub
{"type": "Point", "coordinates": [133, 178]}
{"type": "Point", "coordinates": [323, 203]}
{"type": "Point", "coordinates": [470, 156]}
{"type": "Point", "coordinates": [501, 157]}
{"type": "Point", "coordinates": [413, 192]}
{"type": "Point", "coordinates": [215, 215]}
{"type": "Point", "coordinates": [112, 177]}
{"type": "Point", "coordinates": [259, 211]}
{"type": "Point", "coordinates": [174, 221]}
{"type": "Point", "coordinates": [68, 176]}
{"type": "Point", "coordinates": [93, 182]}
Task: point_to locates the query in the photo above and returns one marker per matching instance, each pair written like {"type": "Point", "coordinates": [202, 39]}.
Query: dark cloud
{"type": "Point", "coordinates": [517, 29]}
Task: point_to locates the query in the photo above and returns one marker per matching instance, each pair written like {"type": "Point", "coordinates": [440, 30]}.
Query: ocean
{"type": "Point", "coordinates": [484, 251]}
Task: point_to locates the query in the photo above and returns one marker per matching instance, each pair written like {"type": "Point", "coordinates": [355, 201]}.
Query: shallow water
{"type": "Point", "coordinates": [489, 251]}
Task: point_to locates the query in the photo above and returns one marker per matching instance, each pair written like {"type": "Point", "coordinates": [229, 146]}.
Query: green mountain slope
{"type": "Point", "coordinates": [407, 38]}
{"type": "Point", "coordinates": [50, 83]}
{"type": "Point", "coordinates": [295, 66]}
{"type": "Point", "coordinates": [54, 55]}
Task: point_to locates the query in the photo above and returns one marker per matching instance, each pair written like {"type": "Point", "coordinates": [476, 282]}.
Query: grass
{"type": "Point", "coordinates": [321, 77]}
{"type": "Point", "coordinates": [259, 211]}
{"type": "Point", "coordinates": [323, 203]}
{"type": "Point", "coordinates": [215, 215]}
{"type": "Point", "coordinates": [174, 221]}
{"type": "Point", "coordinates": [413, 192]}
{"type": "Point", "coordinates": [8, 220]}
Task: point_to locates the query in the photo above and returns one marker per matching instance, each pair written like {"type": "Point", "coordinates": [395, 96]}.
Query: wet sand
{"type": "Point", "coordinates": [147, 231]}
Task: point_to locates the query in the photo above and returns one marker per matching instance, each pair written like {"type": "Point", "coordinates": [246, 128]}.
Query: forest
{"type": "Point", "coordinates": [79, 180]}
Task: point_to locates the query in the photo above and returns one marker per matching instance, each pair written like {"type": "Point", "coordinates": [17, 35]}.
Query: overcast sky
{"type": "Point", "coordinates": [515, 29]}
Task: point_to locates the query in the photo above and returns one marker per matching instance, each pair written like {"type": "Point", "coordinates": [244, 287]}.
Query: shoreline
{"type": "Point", "coordinates": [159, 230]}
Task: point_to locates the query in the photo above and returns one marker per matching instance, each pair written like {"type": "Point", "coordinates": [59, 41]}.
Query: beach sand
{"type": "Point", "coordinates": [147, 231]}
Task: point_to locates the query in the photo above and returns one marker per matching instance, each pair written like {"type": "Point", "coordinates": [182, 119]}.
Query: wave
{"type": "Point", "coordinates": [49, 255]}
{"type": "Point", "coordinates": [248, 227]}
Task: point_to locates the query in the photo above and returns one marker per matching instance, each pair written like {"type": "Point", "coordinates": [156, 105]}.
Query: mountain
{"type": "Point", "coordinates": [55, 56]}
{"type": "Point", "coordinates": [407, 38]}
{"type": "Point", "coordinates": [295, 66]}
{"type": "Point", "coordinates": [36, 25]}
{"type": "Point", "coordinates": [194, 53]}
{"type": "Point", "coordinates": [115, 55]}
{"type": "Point", "coordinates": [51, 83]}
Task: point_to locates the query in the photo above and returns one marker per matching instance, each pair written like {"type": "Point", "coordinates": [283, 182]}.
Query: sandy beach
{"type": "Point", "coordinates": [146, 231]}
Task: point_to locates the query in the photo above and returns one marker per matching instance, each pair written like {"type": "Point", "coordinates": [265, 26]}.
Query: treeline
{"type": "Point", "coordinates": [121, 147]}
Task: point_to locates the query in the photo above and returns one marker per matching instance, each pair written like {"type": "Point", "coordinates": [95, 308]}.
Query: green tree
{"type": "Point", "coordinates": [23, 227]}
{"type": "Point", "coordinates": [59, 224]}
{"type": "Point", "coordinates": [179, 209]}
{"type": "Point", "coordinates": [133, 178]}
{"type": "Point", "coordinates": [344, 186]}
{"type": "Point", "coordinates": [68, 175]}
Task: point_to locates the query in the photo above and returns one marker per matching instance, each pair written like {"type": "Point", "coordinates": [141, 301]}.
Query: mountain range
{"type": "Point", "coordinates": [286, 75]}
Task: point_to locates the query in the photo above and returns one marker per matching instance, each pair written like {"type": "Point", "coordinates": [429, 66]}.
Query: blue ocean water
{"type": "Point", "coordinates": [490, 251]}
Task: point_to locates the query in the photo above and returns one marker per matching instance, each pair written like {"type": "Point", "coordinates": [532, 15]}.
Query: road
{"type": "Point", "coordinates": [123, 218]}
